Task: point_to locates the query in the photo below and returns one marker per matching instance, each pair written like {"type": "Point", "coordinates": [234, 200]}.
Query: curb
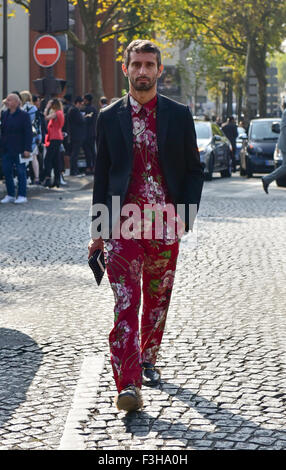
{"type": "Point", "coordinates": [74, 184]}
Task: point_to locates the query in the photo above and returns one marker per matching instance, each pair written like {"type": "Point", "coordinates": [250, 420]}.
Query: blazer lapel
{"type": "Point", "coordinates": [162, 123]}
{"type": "Point", "coordinates": [124, 115]}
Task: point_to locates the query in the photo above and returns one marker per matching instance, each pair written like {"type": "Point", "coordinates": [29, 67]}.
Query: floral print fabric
{"type": "Point", "coordinates": [155, 263]}
{"type": "Point", "coordinates": [129, 261]}
{"type": "Point", "coordinates": [147, 185]}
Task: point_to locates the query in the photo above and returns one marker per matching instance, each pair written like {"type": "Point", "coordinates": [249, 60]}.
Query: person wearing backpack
{"type": "Point", "coordinates": [33, 112]}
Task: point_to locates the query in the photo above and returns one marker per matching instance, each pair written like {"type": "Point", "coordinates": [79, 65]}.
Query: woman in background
{"type": "Point", "coordinates": [54, 137]}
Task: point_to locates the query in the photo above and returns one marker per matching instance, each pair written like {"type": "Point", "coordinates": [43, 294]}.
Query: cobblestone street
{"type": "Point", "coordinates": [223, 356]}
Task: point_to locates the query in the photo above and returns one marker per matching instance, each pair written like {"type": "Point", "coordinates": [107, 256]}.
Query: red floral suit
{"type": "Point", "coordinates": [129, 260]}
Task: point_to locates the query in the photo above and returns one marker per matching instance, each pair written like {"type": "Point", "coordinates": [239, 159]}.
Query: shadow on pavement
{"type": "Point", "coordinates": [20, 358]}
{"type": "Point", "coordinates": [232, 430]}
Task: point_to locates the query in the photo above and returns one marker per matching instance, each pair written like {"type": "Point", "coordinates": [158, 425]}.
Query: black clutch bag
{"type": "Point", "coordinates": [97, 264]}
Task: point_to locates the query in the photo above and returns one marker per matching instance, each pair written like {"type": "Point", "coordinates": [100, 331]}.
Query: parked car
{"type": "Point", "coordinates": [256, 154]}
{"type": "Point", "coordinates": [215, 149]}
{"type": "Point", "coordinates": [277, 157]}
{"type": "Point", "coordinates": [241, 132]}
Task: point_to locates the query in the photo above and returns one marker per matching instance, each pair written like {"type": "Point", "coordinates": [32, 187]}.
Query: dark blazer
{"type": "Point", "coordinates": [178, 153]}
{"type": "Point", "coordinates": [75, 124]}
{"type": "Point", "coordinates": [90, 122]}
{"type": "Point", "coordinates": [16, 132]}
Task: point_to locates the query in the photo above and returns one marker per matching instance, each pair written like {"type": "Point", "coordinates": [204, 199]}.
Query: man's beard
{"type": "Point", "coordinates": [143, 86]}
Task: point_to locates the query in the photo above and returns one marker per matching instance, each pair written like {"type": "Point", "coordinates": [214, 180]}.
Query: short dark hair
{"type": "Point", "coordinates": [35, 98]}
{"type": "Point", "coordinates": [141, 45]}
{"type": "Point", "coordinates": [88, 97]}
{"type": "Point", "coordinates": [103, 100]}
{"type": "Point", "coordinates": [78, 99]}
{"type": "Point", "coordinates": [68, 97]}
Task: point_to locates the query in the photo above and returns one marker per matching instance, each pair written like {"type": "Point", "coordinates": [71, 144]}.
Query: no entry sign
{"type": "Point", "coordinates": [47, 51]}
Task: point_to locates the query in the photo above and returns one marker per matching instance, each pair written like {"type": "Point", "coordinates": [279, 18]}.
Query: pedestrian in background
{"type": "Point", "coordinates": [103, 102]}
{"type": "Point", "coordinates": [280, 172]}
{"type": "Point", "coordinates": [90, 116]}
{"type": "Point", "coordinates": [229, 129]}
{"type": "Point", "coordinates": [16, 145]}
{"type": "Point", "coordinates": [67, 104]}
{"type": "Point", "coordinates": [76, 132]}
{"type": "Point", "coordinates": [55, 118]}
{"type": "Point", "coordinates": [41, 146]}
{"type": "Point", "coordinates": [34, 114]}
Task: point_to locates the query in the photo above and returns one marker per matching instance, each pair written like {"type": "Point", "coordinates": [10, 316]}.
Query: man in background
{"type": "Point", "coordinates": [90, 115]}
{"type": "Point", "coordinates": [76, 132]}
{"type": "Point", "coordinates": [229, 129]}
{"type": "Point", "coordinates": [16, 145]}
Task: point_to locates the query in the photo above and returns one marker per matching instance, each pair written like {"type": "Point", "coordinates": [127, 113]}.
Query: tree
{"type": "Point", "coordinates": [102, 20]}
{"type": "Point", "coordinates": [250, 28]}
{"type": "Point", "coordinates": [279, 60]}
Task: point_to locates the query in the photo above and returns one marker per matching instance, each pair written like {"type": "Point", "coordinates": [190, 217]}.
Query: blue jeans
{"type": "Point", "coordinates": [9, 162]}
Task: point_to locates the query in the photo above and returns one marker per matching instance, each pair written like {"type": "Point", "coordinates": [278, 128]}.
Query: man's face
{"type": "Point", "coordinates": [12, 102]}
{"type": "Point", "coordinates": [143, 71]}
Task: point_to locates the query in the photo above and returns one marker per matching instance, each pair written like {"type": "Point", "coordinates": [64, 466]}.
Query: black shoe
{"type": "Point", "coordinates": [150, 374]}
{"type": "Point", "coordinates": [56, 183]}
{"type": "Point", "coordinates": [129, 399]}
{"type": "Point", "coordinates": [47, 183]}
{"type": "Point", "coordinates": [265, 185]}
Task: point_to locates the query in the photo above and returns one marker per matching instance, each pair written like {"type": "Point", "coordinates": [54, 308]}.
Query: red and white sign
{"type": "Point", "coordinates": [47, 51]}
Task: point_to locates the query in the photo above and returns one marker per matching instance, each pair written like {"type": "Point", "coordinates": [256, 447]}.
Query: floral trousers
{"type": "Point", "coordinates": [130, 263]}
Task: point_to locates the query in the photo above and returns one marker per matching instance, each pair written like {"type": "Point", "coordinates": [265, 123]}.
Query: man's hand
{"type": "Point", "coordinates": [26, 154]}
{"type": "Point", "coordinates": [94, 244]}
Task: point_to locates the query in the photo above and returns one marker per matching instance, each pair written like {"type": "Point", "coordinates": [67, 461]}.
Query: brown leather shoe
{"type": "Point", "coordinates": [151, 375]}
{"type": "Point", "coordinates": [129, 399]}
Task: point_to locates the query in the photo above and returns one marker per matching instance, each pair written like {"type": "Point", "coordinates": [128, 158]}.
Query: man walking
{"type": "Point", "coordinates": [76, 132]}
{"type": "Point", "coordinates": [90, 115]}
{"type": "Point", "coordinates": [280, 172]}
{"type": "Point", "coordinates": [146, 155]}
{"type": "Point", "coordinates": [229, 129]}
{"type": "Point", "coordinates": [16, 144]}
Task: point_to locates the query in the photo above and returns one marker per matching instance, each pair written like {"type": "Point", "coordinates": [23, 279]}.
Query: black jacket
{"type": "Point", "coordinates": [75, 124]}
{"type": "Point", "coordinates": [90, 116]}
{"type": "Point", "coordinates": [230, 131]}
{"type": "Point", "coordinates": [16, 132]}
{"type": "Point", "coordinates": [178, 153]}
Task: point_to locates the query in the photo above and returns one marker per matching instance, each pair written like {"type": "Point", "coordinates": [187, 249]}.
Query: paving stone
{"type": "Point", "coordinates": [223, 355]}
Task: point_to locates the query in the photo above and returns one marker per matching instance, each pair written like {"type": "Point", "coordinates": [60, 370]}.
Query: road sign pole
{"type": "Point", "coordinates": [5, 49]}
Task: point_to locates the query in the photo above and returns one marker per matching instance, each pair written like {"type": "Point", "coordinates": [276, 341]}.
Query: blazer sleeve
{"type": "Point", "coordinates": [195, 175]}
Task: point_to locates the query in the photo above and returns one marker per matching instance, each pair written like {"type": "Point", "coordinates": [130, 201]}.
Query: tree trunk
{"type": "Point", "coordinates": [94, 73]}
{"type": "Point", "coordinates": [247, 104]}
{"type": "Point", "coordinates": [239, 97]}
{"type": "Point", "coordinates": [259, 66]}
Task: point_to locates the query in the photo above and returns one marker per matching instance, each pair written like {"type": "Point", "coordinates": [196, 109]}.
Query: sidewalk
{"type": "Point", "coordinates": [74, 183]}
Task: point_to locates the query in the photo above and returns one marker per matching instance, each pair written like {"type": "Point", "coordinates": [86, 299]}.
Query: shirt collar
{"type": "Point", "coordinates": [15, 112]}
{"type": "Point", "coordinates": [136, 107]}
